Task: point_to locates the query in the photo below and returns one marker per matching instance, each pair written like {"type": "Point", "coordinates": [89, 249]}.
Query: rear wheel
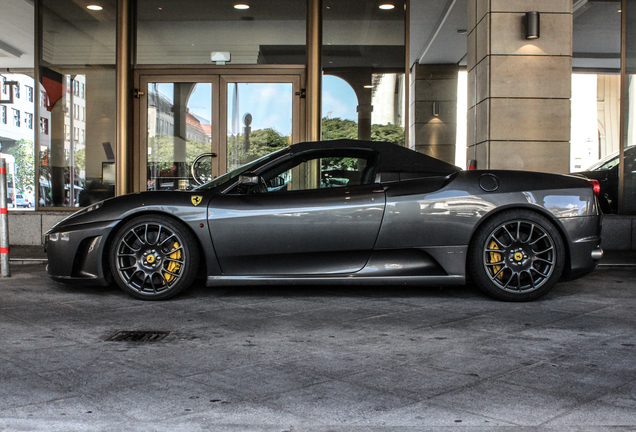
{"type": "Point", "coordinates": [517, 255]}
{"type": "Point", "coordinates": [154, 258]}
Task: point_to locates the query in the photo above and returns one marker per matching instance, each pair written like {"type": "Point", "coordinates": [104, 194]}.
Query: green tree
{"type": "Point", "coordinates": [23, 153]}
{"type": "Point", "coordinates": [389, 133]}
{"type": "Point", "coordinates": [336, 128]}
{"type": "Point", "coordinates": [80, 160]}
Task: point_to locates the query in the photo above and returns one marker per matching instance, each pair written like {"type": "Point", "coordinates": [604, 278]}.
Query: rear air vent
{"type": "Point", "coordinates": [137, 336]}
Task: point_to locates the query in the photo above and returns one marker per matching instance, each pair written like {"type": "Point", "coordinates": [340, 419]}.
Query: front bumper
{"type": "Point", "coordinates": [78, 253]}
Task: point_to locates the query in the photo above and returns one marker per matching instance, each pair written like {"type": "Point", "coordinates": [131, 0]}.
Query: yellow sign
{"type": "Point", "coordinates": [196, 200]}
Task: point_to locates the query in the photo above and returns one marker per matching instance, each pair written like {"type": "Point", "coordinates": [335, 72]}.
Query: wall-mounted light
{"type": "Point", "coordinates": [533, 25]}
{"type": "Point", "coordinates": [386, 6]}
{"type": "Point", "coordinates": [94, 7]}
{"type": "Point", "coordinates": [241, 6]}
{"type": "Point", "coordinates": [436, 108]}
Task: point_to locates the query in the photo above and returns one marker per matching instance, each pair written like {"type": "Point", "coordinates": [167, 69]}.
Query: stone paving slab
{"type": "Point", "coordinates": [319, 359]}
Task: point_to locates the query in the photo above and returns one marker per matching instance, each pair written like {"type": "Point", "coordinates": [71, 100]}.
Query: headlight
{"type": "Point", "coordinates": [63, 236]}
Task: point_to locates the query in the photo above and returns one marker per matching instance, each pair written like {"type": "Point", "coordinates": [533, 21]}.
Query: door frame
{"type": "Point", "coordinates": [219, 76]}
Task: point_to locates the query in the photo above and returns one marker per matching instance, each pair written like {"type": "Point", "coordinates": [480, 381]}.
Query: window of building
{"type": "Point", "coordinates": [4, 114]}
{"type": "Point", "coordinates": [363, 58]}
{"type": "Point", "coordinates": [44, 126]}
{"type": "Point", "coordinates": [43, 99]}
{"type": "Point", "coordinates": [4, 86]}
{"type": "Point", "coordinates": [68, 74]}
{"type": "Point", "coordinates": [16, 90]}
{"type": "Point", "coordinates": [16, 117]}
{"type": "Point", "coordinates": [29, 91]}
{"type": "Point", "coordinates": [28, 118]}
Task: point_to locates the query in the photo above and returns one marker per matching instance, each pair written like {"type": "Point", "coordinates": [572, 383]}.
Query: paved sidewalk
{"type": "Point", "coordinates": [318, 358]}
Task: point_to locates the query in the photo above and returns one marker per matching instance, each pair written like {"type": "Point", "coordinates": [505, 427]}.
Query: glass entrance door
{"type": "Point", "coordinates": [179, 129]}
{"type": "Point", "coordinates": [219, 121]}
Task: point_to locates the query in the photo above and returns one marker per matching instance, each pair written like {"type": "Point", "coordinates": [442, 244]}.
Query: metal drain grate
{"type": "Point", "coordinates": [137, 336]}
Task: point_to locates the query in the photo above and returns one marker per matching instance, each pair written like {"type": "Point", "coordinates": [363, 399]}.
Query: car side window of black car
{"type": "Point", "coordinates": [320, 171]}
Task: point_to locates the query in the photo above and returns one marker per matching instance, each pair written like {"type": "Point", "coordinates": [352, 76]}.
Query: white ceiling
{"type": "Point", "coordinates": [16, 33]}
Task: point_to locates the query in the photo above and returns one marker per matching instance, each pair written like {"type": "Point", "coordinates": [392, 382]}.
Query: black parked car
{"type": "Point", "coordinates": [606, 172]}
{"type": "Point", "coordinates": [339, 212]}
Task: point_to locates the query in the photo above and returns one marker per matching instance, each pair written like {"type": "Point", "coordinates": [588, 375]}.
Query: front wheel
{"type": "Point", "coordinates": [154, 258]}
{"type": "Point", "coordinates": [517, 255]}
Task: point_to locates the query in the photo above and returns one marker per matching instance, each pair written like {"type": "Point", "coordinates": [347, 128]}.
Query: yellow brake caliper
{"type": "Point", "coordinates": [495, 257]}
{"type": "Point", "coordinates": [173, 266]}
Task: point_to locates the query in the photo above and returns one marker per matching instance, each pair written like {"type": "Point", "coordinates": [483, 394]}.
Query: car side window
{"type": "Point", "coordinates": [320, 173]}
{"type": "Point", "coordinates": [609, 164]}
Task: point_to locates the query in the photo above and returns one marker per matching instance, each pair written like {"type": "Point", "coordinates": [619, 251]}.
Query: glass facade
{"type": "Point", "coordinates": [77, 106]}
{"type": "Point", "coordinates": [364, 46]}
{"type": "Point", "coordinates": [363, 88]}
{"type": "Point", "coordinates": [627, 199]}
{"type": "Point", "coordinates": [17, 140]}
{"type": "Point", "coordinates": [271, 32]}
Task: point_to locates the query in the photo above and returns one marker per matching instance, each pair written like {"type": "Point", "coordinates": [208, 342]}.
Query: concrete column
{"type": "Point", "coordinates": [434, 85]}
{"type": "Point", "coordinates": [519, 89]}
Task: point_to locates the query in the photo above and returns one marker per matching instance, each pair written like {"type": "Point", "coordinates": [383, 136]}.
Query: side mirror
{"type": "Point", "coordinates": [248, 179]}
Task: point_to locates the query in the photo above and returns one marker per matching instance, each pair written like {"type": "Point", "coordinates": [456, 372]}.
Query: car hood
{"type": "Point", "coordinates": [182, 204]}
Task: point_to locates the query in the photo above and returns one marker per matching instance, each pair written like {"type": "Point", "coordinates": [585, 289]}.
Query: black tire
{"type": "Point", "coordinates": [531, 260]}
{"type": "Point", "coordinates": [154, 257]}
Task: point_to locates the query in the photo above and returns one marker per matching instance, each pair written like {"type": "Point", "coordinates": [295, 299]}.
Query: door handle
{"type": "Point", "coordinates": [384, 188]}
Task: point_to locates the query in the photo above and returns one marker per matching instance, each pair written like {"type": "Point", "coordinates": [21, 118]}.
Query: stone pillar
{"type": "Point", "coordinates": [519, 89]}
{"type": "Point", "coordinates": [431, 134]}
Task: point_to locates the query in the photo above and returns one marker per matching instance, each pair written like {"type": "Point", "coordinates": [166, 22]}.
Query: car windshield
{"type": "Point", "coordinates": [233, 174]}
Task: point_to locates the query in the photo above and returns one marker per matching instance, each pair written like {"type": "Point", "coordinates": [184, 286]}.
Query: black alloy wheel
{"type": "Point", "coordinates": [154, 257]}
{"type": "Point", "coordinates": [517, 255]}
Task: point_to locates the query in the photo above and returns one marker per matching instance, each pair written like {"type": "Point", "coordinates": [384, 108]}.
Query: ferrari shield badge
{"type": "Point", "coordinates": [196, 199]}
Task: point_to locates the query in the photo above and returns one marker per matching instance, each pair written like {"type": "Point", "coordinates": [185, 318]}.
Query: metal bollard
{"type": "Point", "coordinates": [4, 221]}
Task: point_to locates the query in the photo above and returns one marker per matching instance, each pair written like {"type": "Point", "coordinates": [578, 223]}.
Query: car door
{"type": "Point", "coordinates": [325, 226]}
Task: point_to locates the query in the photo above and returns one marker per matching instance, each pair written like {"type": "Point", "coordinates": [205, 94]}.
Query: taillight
{"type": "Point", "coordinates": [596, 186]}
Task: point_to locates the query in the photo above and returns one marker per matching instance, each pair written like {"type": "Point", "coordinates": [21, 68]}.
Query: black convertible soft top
{"type": "Point", "coordinates": [393, 157]}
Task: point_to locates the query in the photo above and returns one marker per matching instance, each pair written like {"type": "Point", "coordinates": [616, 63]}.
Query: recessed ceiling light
{"type": "Point", "coordinates": [241, 6]}
{"type": "Point", "coordinates": [387, 6]}
{"type": "Point", "coordinates": [94, 7]}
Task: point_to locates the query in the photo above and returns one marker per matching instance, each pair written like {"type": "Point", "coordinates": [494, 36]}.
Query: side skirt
{"type": "Point", "coordinates": [334, 280]}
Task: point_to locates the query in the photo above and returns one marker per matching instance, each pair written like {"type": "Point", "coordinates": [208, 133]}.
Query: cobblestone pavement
{"type": "Point", "coordinates": [318, 358]}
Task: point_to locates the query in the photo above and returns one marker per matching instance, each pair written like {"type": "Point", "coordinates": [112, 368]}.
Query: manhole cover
{"type": "Point", "coordinates": [137, 336]}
